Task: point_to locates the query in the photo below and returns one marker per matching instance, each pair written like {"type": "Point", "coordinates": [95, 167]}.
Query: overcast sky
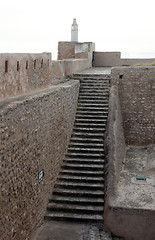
{"type": "Point", "coordinates": [114, 25]}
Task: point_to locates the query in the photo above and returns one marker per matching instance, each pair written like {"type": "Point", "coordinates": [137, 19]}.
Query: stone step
{"type": "Point", "coordinates": [91, 117]}
{"type": "Point", "coordinates": [93, 98]}
{"type": "Point", "coordinates": [75, 208]}
{"type": "Point", "coordinates": [86, 145]}
{"type": "Point", "coordinates": [89, 129]}
{"type": "Point", "coordinates": [83, 140]}
{"type": "Point", "coordinates": [83, 179]}
{"type": "Point", "coordinates": [101, 87]}
{"type": "Point", "coordinates": [92, 108]}
{"type": "Point", "coordinates": [85, 150]}
{"type": "Point", "coordinates": [92, 121]}
{"type": "Point", "coordinates": [73, 217]}
{"type": "Point", "coordinates": [94, 93]}
{"type": "Point", "coordinates": [85, 155]}
{"type": "Point", "coordinates": [77, 200]}
{"type": "Point", "coordinates": [88, 135]}
{"type": "Point", "coordinates": [89, 167]}
{"type": "Point", "coordinates": [91, 76]}
{"type": "Point", "coordinates": [88, 88]}
{"type": "Point", "coordinates": [83, 161]}
{"type": "Point", "coordinates": [78, 193]}
{"type": "Point", "coordinates": [101, 113]}
{"type": "Point", "coordinates": [82, 172]}
{"type": "Point", "coordinates": [90, 125]}
{"type": "Point", "coordinates": [94, 83]}
{"type": "Point", "coordinates": [96, 80]}
{"type": "Point", "coordinates": [93, 101]}
{"type": "Point", "coordinates": [80, 185]}
{"type": "Point", "coordinates": [106, 78]}
{"type": "Point", "coordinates": [93, 104]}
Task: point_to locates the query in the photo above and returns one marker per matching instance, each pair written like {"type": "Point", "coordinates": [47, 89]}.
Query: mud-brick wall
{"type": "Point", "coordinates": [35, 131]}
{"type": "Point", "coordinates": [136, 87]}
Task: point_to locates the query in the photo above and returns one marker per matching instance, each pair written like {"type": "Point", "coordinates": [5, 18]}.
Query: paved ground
{"type": "Point", "coordinates": [136, 187]}
{"type": "Point", "coordinates": [57, 230]}
{"type": "Point", "coordinates": [97, 70]}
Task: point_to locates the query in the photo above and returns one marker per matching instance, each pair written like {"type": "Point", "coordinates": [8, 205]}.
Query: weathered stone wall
{"type": "Point", "coordinates": [66, 50]}
{"type": "Point", "coordinates": [136, 87]}
{"type": "Point", "coordinates": [35, 131]}
{"type": "Point", "coordinates": [127, 202]}
{"type": "Point", "coordinates": [114, 145]}
{"type": "Point", "coordinates": [69, 50]}
{"type": "Point", "coordinates": [21, 73]}
{"type": "Point", "coordinates": [111, 59]}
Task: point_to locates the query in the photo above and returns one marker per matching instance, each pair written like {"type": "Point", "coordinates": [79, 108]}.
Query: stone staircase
{"type": "Point", "coordinates": [79, 191]}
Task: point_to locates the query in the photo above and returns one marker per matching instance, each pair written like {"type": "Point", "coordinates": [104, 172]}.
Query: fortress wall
{"type": "Point", "coordinates": [35, 131]}
{"type": "Point", "coordinates": [111, 59]}
{"type": "Point", "coordinates": [136, 87]}
{"type": "Point", "coordinates": [134, 61]}
{"type": "Point", "coordinates": [21, 73]}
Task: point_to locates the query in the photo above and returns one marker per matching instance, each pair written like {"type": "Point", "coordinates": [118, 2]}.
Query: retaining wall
{"type": "Point", "coordinates": [35, 131]}
{"type": "Point", "coordinates": [114, 144]}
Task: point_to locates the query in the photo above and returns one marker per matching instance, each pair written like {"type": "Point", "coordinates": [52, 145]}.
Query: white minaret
{"type": "Point", "coordinates": [74, 31]}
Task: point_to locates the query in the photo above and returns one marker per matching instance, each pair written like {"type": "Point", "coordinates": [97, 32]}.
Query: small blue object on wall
{"type": "Point", "coordinates": [40, 175]}
{"type": "Point", "coordinates": [141, 177]}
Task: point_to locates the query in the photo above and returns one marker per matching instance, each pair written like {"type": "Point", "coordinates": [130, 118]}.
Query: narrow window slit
{"type": "Point", "coordinates": [34, 64]}
{"type": "Point", "coordinates": [27, 64]}
{"type": "Point", "coordinates": [42, 63]}
{"type": "Point", "coordinates": [6, 66]}
{"type": "Point", "coordinates": [17, 65]}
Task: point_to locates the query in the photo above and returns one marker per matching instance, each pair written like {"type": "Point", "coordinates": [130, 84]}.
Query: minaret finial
{"type": "Point", "coordinates": [74, 31]}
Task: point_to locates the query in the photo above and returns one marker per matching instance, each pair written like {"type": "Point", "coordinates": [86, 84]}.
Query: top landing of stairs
{"type": "Point", "coordinates": [96, 71]}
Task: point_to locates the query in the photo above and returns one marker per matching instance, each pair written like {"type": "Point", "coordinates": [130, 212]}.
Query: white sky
{"type": "Point", "coordinates": [114, 25]}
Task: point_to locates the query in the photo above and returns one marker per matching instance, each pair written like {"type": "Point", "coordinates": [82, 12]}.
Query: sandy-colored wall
{"type": "Point", "coordinates": [114, 145]}
{"type": "Point", "coordinates": [24, 72]}
{"type": "Point", "coordinates": [36, 71]}
{"type": "Point", "coordinates": [35, 131]}
{"type": "Point", "coordinates": [106, 59]}
{"type": "Point", "coordinates": [76, 65]}
{"type": "Point", "coordinates": [111, 59]}
{"type": "Point", "coordinates": [132, 96]}
{"type": "Point", "coordinates": [73, 50]}
{"type": "Point", "coordinates": [136, 87]}
{"type": "Point", "coordinates": [135, 224]}
{"type": "Point", "coordinates": [66, 50]}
